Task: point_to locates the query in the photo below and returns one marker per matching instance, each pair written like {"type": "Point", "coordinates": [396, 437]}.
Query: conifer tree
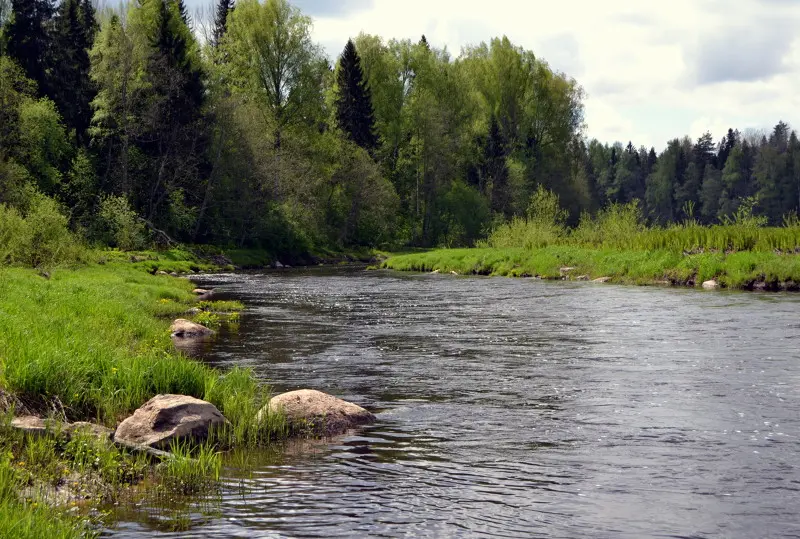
{"type": "Point", "coordinates": [221, 20]}
{"type": "Point", "coordinates": [172, 137]}
{"type": "Point", "coordinates": [495, 173]}
{"type": "Point", "coordinates": [72, 89]}
{"type": "Point", "coordinates": [354, 113]}
{"type": "Point", "coordinates": [28, 41]}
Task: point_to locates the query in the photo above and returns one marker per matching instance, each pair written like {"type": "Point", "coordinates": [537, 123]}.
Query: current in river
{"type": "Point", "coordinates": [512, 408]}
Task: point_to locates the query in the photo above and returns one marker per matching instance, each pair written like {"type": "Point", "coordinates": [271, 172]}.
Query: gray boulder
{"type": "Point", "coordinates": [165, 419]}
{"type": "Point", "coordinates": [317, 413]}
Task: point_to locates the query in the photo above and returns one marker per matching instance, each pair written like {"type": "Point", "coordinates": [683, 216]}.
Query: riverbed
{"type": "Point", "coordinates": [512, 408]}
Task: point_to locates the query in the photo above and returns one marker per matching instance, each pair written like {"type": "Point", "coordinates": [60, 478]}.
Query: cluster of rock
{"type": "Point", "coordinates": [166, 419]}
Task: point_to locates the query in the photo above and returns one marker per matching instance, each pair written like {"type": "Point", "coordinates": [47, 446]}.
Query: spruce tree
{"type": "Point", "coordinates": [354, 113]}
{"type": "Point", "coordinates": [72, 89]}
{"type": "Point", "coordinates": [173, 139]}
{"type": "Point", "coordinates": [28, 40]}
{"type": "Point", "coordinates": [221, 20]}
{"type": "Point", "coordinates": [495, 170]}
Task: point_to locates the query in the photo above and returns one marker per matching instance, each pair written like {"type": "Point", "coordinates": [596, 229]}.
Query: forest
{"type": "Point", "coordinates": [146, 124]}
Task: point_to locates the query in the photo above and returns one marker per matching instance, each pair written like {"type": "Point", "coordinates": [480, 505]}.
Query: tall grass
{"type": "Point", "coordinates": [191, 469]}
{"type": "Point", "coordinates": [615, 243]}
{"type": "Point", "coordinates": [622, 227]}
{"type": "Point", "coordinates": [94, 344]}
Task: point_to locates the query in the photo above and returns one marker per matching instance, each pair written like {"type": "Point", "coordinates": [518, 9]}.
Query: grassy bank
{"type": "Point", "coordinates": [615, 244]}
{"type": "Point", "coordinates": [92, 344]}
{"type": "Point", "coordinates": [733, 270]}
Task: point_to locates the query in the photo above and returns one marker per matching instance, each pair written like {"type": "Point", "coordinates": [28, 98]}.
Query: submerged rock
{"type": "Point", "coordinates": [318, 413]}
{"type": "Point", "coordinates": [183, 328]}
{"type": "Point", "coordinates": [168, 418]}
{"type": "Point", "coordinates": [711, 284]}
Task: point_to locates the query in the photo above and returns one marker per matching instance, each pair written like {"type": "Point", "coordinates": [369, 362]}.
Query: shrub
{"type": "Point", "coordinates": [39, 238]}
{"type": "Point", "coordinates": [119, 224]}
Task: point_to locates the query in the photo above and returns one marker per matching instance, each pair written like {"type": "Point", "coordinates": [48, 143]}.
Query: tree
{"type": "Point", "coordinates": [272, 58]}
{"type": "Point", "coordinates": [224, 7]}
{"type": "Point", "coordinates": [72, 88]}
{"type": "Point", "coordinates": [173, 137]}
{"type": "Point", "coordinates": [710, 194]}
{"type": "Point", "coordinates": [28, 40]}
{"type": "Point", "coordinates": [354, 114]}
{"type": "Point", "coordinates": [494, 173]}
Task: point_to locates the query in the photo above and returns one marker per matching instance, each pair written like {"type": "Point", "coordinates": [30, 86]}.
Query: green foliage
{"type": "Point", "coordinates": [109, 360]}
{"type": "Point", "coordinates": [38, 238]}
{"type": "Point", "coordinates": [191, 469]}
{"type": "Point", "coordinates": [616, 226]}
{"type": "Point", "coordinates": [735, 270]}
{"type": "Point", "coordinates": [42, 141]}
{"type": "Point", "coordinates": [119, 226]}
{"type": "Point", "coordinates": [466, 215]}
{"type": "Point", "coordinates": [543, 226]}
{"type": "Point", "coordinates": [354, 114]}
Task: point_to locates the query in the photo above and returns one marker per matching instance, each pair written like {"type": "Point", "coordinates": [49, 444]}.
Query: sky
{"type": "Point", "coordinates": [652, 71]}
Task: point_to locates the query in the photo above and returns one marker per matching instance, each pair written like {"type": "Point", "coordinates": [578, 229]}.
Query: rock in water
{"type": "Point", "coordinates": [185, 329]}
{"type": "Point", "coordinates": [167, 418]}
{"type": "Point", "coordinates": [201, 291]}
{"type": "Point", "coordinates": [318, 413]}
{"type": "Point", "coordinates": [710, 284]}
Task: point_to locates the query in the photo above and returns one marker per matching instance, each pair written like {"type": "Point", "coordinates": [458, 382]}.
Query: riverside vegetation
{"type": "Point", "coordinates": [91, 343]}
{"type": "Point", "coordinates": [615, 245]}
{"type": "Point", "coordinates": [140, 126]}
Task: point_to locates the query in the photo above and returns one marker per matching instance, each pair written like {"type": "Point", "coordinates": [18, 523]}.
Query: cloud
{"type": "Point", "coordinates": [331, 8]}
{"type": "Point", "coordinates": [742, 53]}
{"type": "Point", "coordinates": [562, 52]}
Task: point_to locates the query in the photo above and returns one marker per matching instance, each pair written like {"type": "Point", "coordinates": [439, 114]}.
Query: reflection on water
{"type": "Point", "coordinates": [513, 408]}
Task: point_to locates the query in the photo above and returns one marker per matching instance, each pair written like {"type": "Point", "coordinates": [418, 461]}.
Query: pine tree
{"type": "Point", "coordinates": [354, 113]}
{"type": "Point", "coordinates": [72, 89]}
{"type": "Point", "coordinates": [221, 20]}
{"type": "Point", "coordinates": [28, 39]}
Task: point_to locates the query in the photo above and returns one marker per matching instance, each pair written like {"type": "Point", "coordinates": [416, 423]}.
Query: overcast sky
{"type": "Point", "coordinates": [651, 70]}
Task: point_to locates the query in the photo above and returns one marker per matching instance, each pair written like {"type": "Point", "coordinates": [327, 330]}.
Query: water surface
{"type": "Point", "coordinates": [515, 408]}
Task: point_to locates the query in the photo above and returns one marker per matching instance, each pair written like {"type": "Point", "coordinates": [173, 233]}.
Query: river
{"type": "Point", "coordinates": [514, 408]}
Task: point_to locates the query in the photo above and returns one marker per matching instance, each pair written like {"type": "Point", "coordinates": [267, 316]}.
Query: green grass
{"type": "Point", "coordinates": [733, 270]}
{"type": "Point", "coordinates": [191, 469]}
{"type": "Point", "coordinates": [95, 342]}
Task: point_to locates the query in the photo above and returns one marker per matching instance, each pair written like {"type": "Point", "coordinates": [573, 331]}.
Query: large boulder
{"type": "Point", "coordinates": [186, 329]}
{"type": "Point", "coordinates": [317, 413]}
{"type": "Point", "coordinates": [168, 418]}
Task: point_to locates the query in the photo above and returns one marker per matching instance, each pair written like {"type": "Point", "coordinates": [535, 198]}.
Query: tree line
{"type": "Point", "coordinates": [144, 126]}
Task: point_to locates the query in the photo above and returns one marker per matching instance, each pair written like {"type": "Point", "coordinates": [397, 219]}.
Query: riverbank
{"type": "Point", "coordinates": [93, 344]}
{"type": "Point", "coordinates": [745, 270]}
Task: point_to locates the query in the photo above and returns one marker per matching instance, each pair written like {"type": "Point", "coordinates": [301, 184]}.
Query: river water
{"type": "Point", "coordinates": [514, 408]}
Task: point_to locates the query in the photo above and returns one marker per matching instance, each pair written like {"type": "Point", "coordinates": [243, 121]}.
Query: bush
{"type": "Point", "coordinates": [543, 226]}
{"type": "Point", "coordinates": [120, 226]}
{"type": "Point", "coordinates": [39, 238]}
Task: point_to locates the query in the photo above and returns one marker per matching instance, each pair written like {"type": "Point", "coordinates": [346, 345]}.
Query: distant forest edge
{"type": "Point", "coordinates": [136, 125]}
